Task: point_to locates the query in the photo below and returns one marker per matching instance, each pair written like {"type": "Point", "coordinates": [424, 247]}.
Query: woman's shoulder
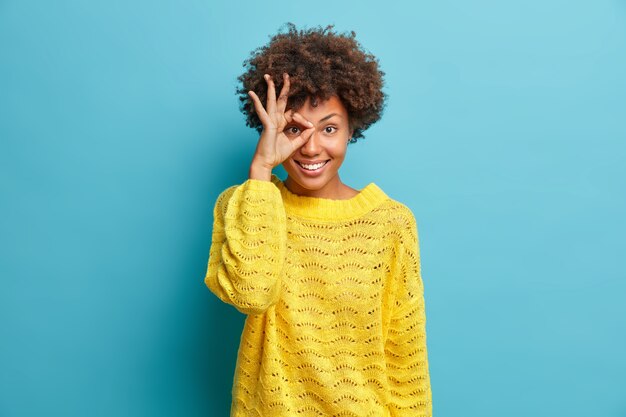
{"type": "Point", "coordinates": [396, 214]}
{"type": "Point", "coordinates": [397, 207]}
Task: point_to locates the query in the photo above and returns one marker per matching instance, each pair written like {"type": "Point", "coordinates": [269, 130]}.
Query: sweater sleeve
{"type": "Point", "coordinates": [405, 346]}
{"type": "Point", "coordinates": [248, 246]}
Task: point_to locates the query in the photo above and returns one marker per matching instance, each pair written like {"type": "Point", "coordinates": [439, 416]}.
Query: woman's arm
{"type": "Point", "coordinates": [250, 224]}
{"type": "Point", "coordinates": [405, 346]}
{"type": "Point", "coordinates": [248, 246]}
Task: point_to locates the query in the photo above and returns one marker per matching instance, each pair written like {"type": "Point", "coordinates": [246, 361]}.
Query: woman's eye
{"type": "Point", "coordinates": [292, 130]}
{"type": "Point", "coordinates": [330, 127]}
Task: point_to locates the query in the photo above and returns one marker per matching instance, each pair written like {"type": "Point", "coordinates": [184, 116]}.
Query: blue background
{"type": "Point", "coordinates": [505, 133]}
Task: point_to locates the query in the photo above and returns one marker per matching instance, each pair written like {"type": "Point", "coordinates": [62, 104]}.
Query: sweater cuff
{"type": "Point", "coordinates": [259, 185]}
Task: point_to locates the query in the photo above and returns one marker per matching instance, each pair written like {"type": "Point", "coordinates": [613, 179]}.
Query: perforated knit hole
{"type": "Point", "coordinates": [309, 325]}
{"type": "Point", "coordinates": [344, 397]}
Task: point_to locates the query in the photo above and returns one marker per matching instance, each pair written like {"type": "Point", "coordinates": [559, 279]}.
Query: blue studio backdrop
{"type": "Point", "coordinates": [505, 133]}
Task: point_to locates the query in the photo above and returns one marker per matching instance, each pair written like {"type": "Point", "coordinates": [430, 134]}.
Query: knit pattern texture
{"type": "Point", "coordinates": [333, 294]}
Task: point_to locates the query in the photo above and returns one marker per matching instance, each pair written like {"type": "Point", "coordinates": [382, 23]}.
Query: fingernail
{"type": "Point", "coordinates": [265, 76]}
{"type": "Point", "coordinates": [310, 124]}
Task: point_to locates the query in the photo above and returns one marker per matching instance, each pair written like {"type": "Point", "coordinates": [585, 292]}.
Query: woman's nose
{"type": "Point", "coordinates": [311, 146]}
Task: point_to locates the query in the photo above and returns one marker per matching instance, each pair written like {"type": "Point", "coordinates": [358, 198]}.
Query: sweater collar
{"type": "Point", "coordinates": [328, 209]}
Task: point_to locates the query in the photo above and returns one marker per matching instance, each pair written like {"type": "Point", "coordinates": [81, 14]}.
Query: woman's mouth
{"type": "Point", "coordinates": [312, 169]}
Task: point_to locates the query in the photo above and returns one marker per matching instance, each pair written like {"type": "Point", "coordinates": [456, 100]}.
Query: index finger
{"type": "Point", "coordinates": [282, 98]}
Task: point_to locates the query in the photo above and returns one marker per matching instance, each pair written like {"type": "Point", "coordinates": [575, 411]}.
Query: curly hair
{"type": "Point", "coordinates": [321, 63]}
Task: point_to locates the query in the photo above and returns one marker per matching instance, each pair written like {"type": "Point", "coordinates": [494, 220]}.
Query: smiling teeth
{"type": "Point", "coordinates": [313, 167]}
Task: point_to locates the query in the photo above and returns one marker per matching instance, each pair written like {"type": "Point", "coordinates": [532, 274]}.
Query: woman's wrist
{"type": "Point", "coordinates": [260, 171]}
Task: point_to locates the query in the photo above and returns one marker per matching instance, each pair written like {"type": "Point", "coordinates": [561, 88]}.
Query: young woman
{"type": "Point", "coordinates": [328, 276]}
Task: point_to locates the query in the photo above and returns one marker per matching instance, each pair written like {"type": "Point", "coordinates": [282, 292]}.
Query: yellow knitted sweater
{"type": "Point", "coordinates": [334, 300]}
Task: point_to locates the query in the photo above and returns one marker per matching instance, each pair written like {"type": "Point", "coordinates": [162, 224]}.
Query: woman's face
{"type": "Point", "coordinates": [327, 147]}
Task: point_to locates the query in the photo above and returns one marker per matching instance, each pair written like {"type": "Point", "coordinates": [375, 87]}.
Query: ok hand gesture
{"type": "Point", "coordinates": [274, 146]}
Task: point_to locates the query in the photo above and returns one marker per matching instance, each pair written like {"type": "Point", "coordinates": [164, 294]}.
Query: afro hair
{"type": "Point", "coordinates": [321, 63]}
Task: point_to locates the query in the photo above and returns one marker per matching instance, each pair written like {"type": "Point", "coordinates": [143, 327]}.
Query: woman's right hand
{"type": "Point", "coordinates": [274, 146]}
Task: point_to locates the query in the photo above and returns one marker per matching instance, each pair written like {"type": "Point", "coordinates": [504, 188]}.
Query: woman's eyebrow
{"type": "Point", "coordinates": [328, 117]}
{"type": "Point", "coordinates": [324, 118]}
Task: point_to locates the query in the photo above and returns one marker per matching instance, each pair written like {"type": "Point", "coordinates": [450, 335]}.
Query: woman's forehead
{"type": "Point", "coordinates": [316, 106]}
